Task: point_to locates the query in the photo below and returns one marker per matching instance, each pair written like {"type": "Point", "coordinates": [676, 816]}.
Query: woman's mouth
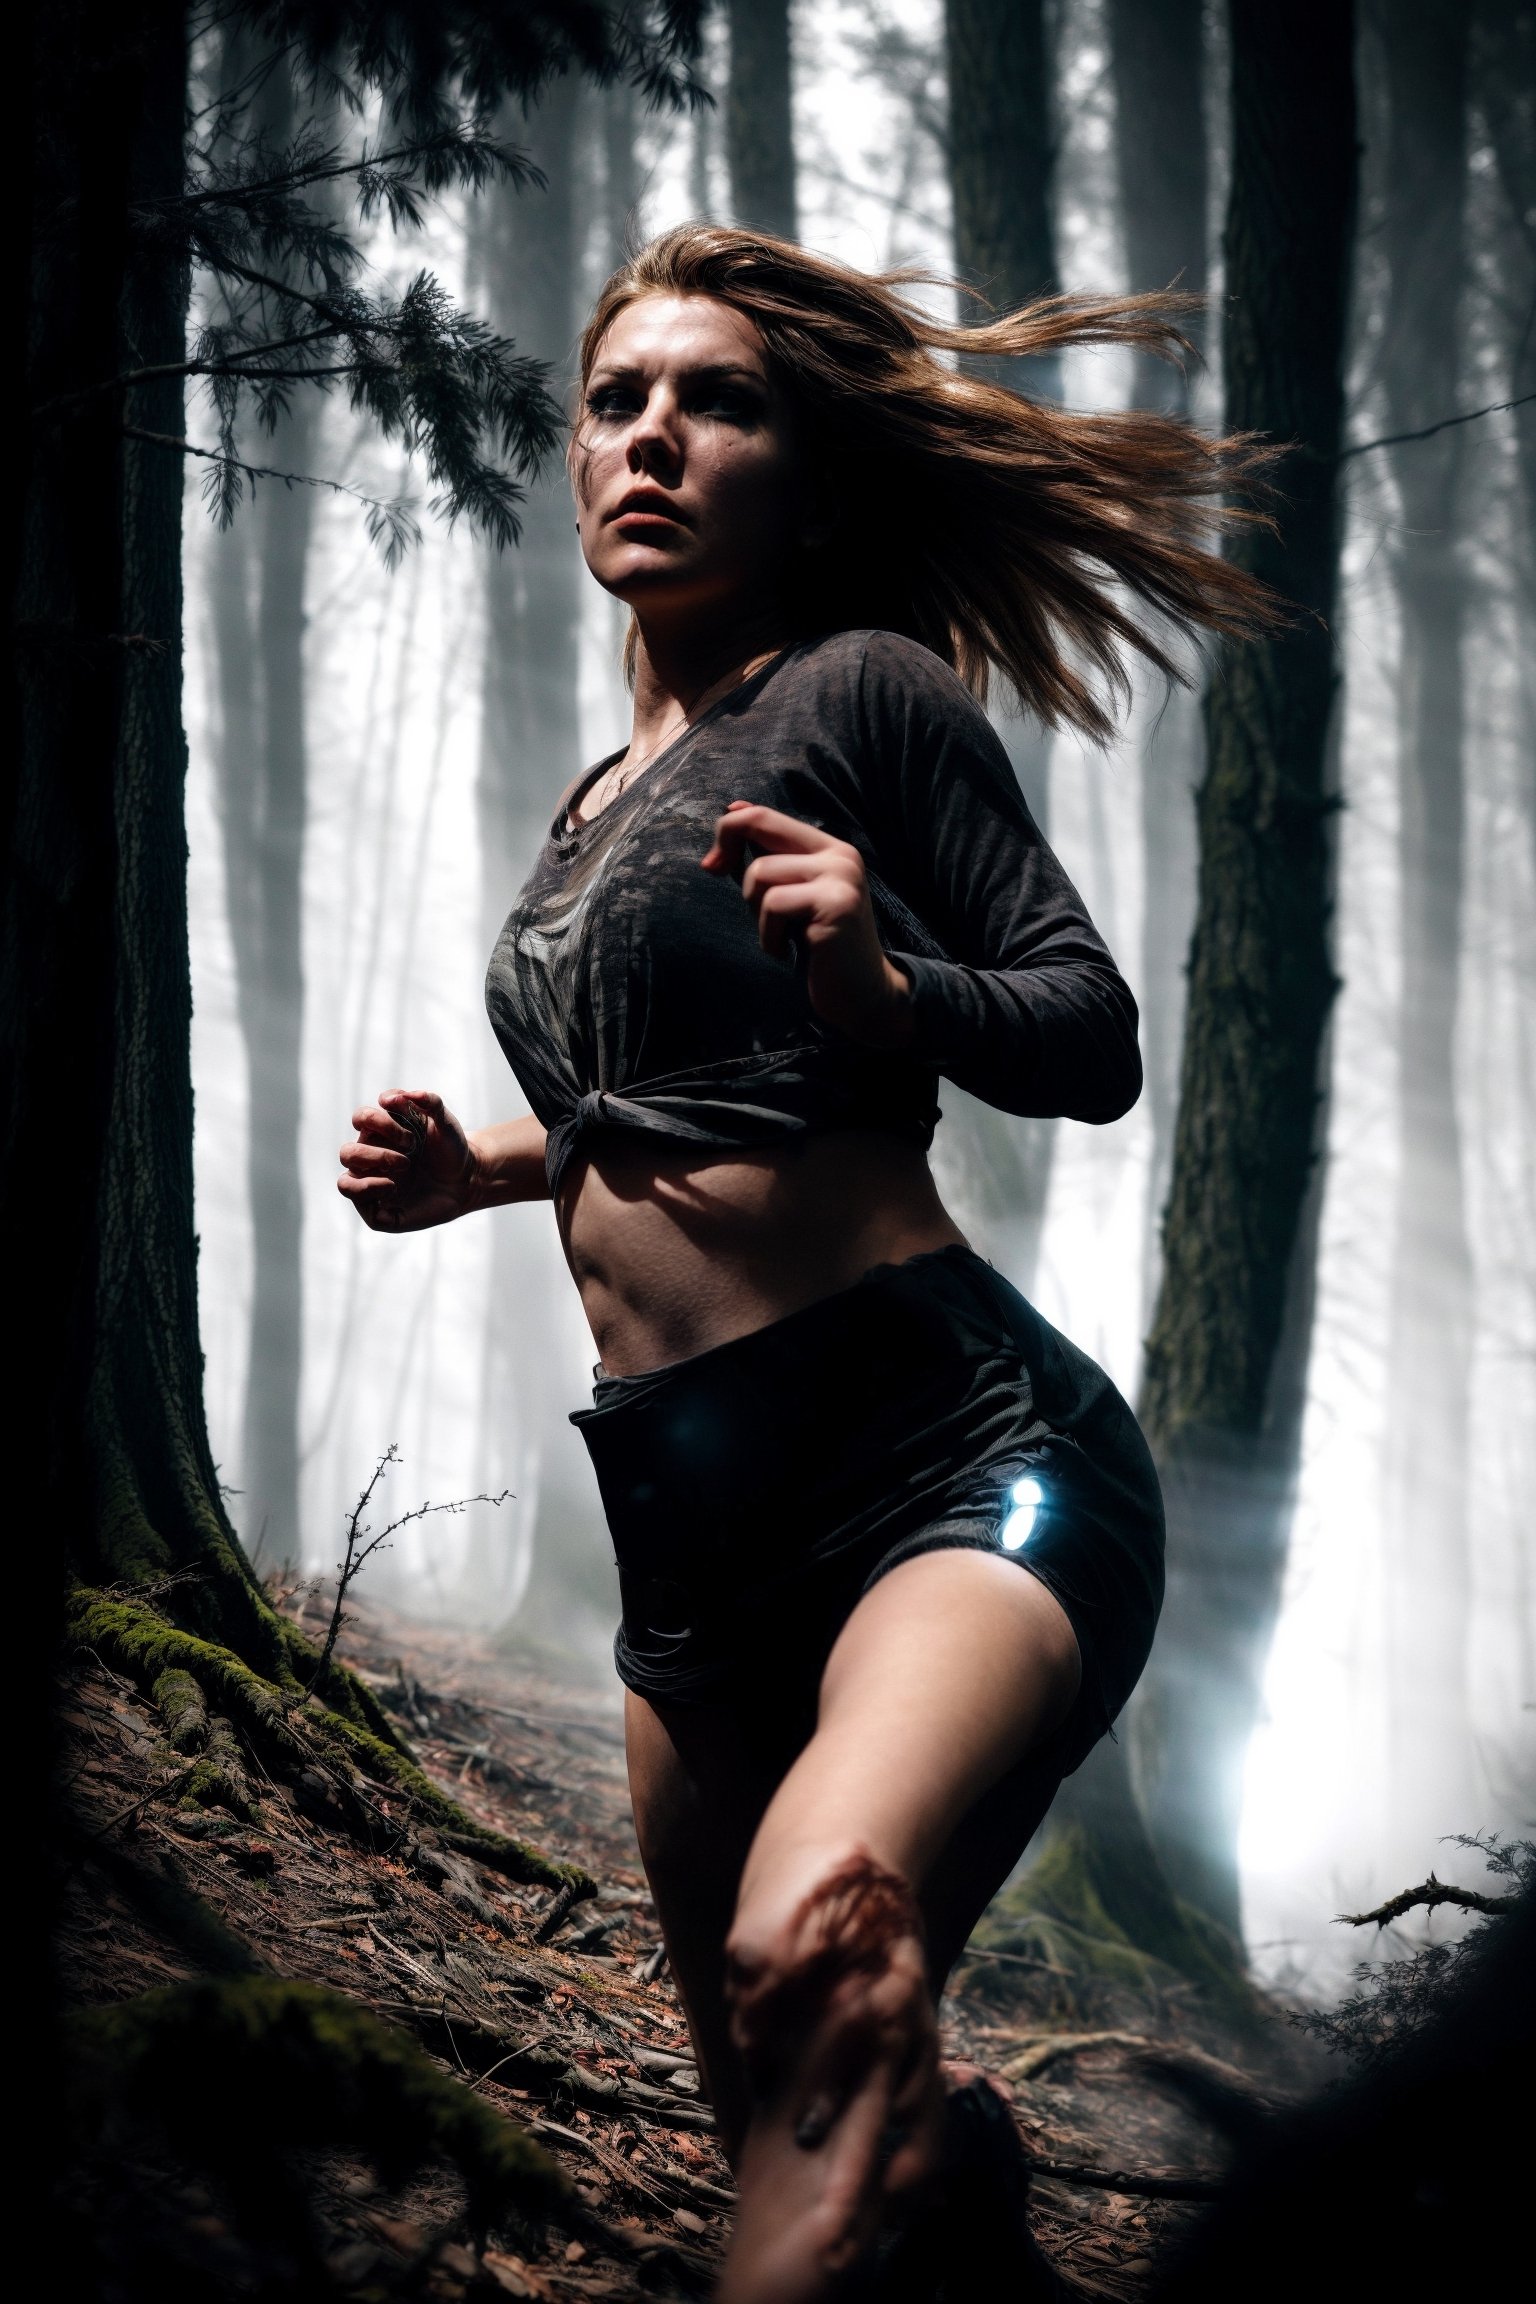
{"type": "Point", "coordinates": [646, 512]}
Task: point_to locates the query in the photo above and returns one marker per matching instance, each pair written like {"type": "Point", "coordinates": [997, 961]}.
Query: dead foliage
{"type": "Point", "coordinates": [550, 2006]}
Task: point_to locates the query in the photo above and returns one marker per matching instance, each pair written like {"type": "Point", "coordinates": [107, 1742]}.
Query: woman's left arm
{"type": "Point", "coordinates": [1018, 1000]}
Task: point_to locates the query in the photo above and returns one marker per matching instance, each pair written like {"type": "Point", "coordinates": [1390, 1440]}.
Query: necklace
{"type": "Point", "coordinates": [619, 777]}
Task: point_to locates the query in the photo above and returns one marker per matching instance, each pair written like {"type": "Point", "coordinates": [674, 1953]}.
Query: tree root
{"type": "Point", "coordinates": [339, 1760]}
{"type": "Point", "coordinates": [236, 2074]}
{"type": "Point", "coordinates": [180, 1703]}
{"type": "Point", "coordinates": [1060, 1919]}
{"type": "Point", "coordinates": [217, 1778]}
{"type": "Point", "coordinates": [159, 1892]}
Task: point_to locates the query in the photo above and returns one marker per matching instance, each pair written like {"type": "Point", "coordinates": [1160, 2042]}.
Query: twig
{"type": "Point", "coordinates": [1428, 431]}
{"type": "Point", "coordinates": [157, 1792]}
{"type": "Point", "coordinates": [565, 1898]}
{"type": "Point", "coordinates": [1134, 2181]}
{"type": "Point", "coordinates": [1429, 1893]}
{"type": "Point", "coordinates": [362, 1545]}
{"type": "Point", "coordinates": [1015, 1960]}
{"type": "Point", "coordinates": [611, 2161]}
{"type": "Point", "coordinates": [1036, 2056]}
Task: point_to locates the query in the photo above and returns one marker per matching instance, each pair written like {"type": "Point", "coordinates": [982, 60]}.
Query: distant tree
{"type": "Point", "coordinates": [1226, 1359]}
{"type": "Point", "coordinates": [759, 117]}
{"type": "Point", "coordinates": [1002, 156]}
{"type": "Point", "coordinates": [259, 571]}
{"type": "Point", "coordinates": [1002, 160]}
{"type": "Point", "coordinates": [525, 251]}
{"type": "Point", "coordinates": [1157, 55]}
{"type": "Point", "coordinates": [1425, 44]}
{"type": "Point", "coordinates": [623, 189]}
{"type": "Point", "coordinates": [122, 204]}
{"type": "Point", "coordinates": [1504, 62]}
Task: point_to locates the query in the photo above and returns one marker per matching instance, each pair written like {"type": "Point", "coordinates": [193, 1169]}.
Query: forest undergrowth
{"type": "Point", "coordinates": [374, 2061]}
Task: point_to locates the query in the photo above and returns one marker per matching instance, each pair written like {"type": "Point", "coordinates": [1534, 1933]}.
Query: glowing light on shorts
{"type": "Point", "coordinates": [1028, 1496]}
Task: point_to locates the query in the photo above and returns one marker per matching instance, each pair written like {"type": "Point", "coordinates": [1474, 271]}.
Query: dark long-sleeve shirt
{"type": "Point", "coordinates": [628, 988]}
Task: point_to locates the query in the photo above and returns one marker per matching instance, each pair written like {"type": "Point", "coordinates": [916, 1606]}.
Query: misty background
{"type": "Point", "coordinates": [376, 751]}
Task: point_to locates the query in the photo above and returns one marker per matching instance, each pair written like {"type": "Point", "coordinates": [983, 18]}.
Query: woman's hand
{"type": "Point", "coordinates": [804, 884]}
{"type": "Point", "coordinates": [411, 1164]}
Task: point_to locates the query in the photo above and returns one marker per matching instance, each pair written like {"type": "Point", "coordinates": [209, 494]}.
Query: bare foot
{"type": "Point", "coordinates": [832, 2012]}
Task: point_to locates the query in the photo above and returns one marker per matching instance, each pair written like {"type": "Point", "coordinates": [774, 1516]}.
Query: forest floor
{"type": "Point", "coordinates": [580, 2037]}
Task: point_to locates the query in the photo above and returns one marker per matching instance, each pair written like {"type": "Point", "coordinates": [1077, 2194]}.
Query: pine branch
{"type": "Point", "coordinates": [1424, 1898]}
{"type": "Point", "coordinates": [475, 158]}
{"type": "Point", "coordinates": [389, 518]}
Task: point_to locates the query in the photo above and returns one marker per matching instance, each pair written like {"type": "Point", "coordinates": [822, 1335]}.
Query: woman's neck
{"type": "Point", "coordinates": [679, 674]}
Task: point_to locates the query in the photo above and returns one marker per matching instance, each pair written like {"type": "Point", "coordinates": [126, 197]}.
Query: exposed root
{"type": "Point", "coordinates": [181, 1707]}
{"type": "Point", "coordinates": [235, 2075]}
{"type": "Point", "coordinates": [1094, 1951]}
{"type": "Point", "coordinates": [217, 1778]}
{"type": "Point", "coordinates": [340, 1755]}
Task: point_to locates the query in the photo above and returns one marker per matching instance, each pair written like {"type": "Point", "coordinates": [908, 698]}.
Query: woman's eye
{"type": "Point", "coordinates": [611, 400]}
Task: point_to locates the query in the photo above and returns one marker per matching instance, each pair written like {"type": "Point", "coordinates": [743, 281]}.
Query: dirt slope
{"type": "Point", "coordinates": [577, 2037]}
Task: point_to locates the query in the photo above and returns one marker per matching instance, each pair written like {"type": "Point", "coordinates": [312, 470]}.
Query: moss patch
{"type": "Point", "coordinates": [286, 1725]}
{"type": "Point", "coordinates": [235, 2073]}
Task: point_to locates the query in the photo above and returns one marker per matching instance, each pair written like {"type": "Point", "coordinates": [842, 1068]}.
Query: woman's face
{"type": "Point", "coordinates": [687, 472]}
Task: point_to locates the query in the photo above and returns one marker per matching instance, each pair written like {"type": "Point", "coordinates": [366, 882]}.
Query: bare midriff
{"type": "Point", "coordinates": [674, 1253]}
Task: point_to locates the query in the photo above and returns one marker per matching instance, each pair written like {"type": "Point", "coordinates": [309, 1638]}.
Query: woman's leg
{"type": "Point", "coordinates": [926, 1758]}
{"type": "Point", "coordinates": [700, 1778]}
{"type": "Point", "coordinates": [946, 1678]}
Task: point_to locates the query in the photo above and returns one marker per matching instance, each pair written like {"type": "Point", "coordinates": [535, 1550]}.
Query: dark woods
{"type": "Point", "coordinates": [199, 193]}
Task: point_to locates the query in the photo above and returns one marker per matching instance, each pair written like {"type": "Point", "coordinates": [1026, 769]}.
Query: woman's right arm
{"type": "Point", "coordinates": [412, 1164]}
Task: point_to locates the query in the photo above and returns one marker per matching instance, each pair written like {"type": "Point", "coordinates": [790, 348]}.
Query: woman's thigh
{"type": "Point", "coordinates": [930, 1744]}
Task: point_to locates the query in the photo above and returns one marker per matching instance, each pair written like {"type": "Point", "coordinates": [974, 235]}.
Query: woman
{"type": "Point", "coordinates": [889, 1547]}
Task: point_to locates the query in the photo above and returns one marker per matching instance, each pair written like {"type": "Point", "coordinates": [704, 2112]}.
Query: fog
{"type": "Point", "coordinates": [394, 1344]}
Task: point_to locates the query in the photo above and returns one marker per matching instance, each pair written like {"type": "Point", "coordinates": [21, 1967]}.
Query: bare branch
{"type": "Point", "coordinates": [362, 1544]}
{"type": "Point", "coordinates": [1423, 1898]}
{"type": "Point", "coordinates": [1446, 424]}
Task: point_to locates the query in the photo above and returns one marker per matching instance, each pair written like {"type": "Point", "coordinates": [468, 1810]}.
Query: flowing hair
{"type": "Point", "coordinates": [1005, 534]}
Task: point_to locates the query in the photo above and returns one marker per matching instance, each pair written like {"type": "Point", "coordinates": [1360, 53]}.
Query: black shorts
{"type": "Point", "coordinates": [756, 1492]}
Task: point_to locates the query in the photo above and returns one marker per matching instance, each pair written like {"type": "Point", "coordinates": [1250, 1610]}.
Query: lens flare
{"type": "Point", "coordinates": [1028, 1496]}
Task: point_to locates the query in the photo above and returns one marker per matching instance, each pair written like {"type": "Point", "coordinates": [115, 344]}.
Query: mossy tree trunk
{"type": "Point", "coordinates": [759, 117]}
{"type": "Point", "coordinates": [1002, 160]}
{"type": "Point", "coordinates": [1425, 1488]}
{"type": "Point", "coordinates": [95, 992]}
{"type": "Point", "coordinates": [1221, 1404]}
{"type": "Point", "coordinates": [97, 1166]}
{"type": "Point", "coordinates": [1157, 57]}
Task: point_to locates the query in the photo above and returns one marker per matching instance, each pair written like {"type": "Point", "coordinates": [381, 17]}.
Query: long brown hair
{"type": "Point", "coordinates": [1005, 534]}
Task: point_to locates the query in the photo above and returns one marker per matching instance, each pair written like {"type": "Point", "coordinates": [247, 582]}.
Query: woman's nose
{"type": "Point", "coordinates": [653, 445]}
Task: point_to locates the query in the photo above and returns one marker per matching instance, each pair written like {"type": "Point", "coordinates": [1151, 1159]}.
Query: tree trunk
{"type": "Point", "coordinates": [529, 750]}
{"type": "Point", "coordinates": [1002, 164]}
{"type": "Point", "coordinates": [1002, 158]}
{"type": "Point", "coordinates": [622, 188]}
{"type": "Point", "coordinates": [759, 117]}
{"type": "Point", "coordinates": [1425, 1471]}
{"type": "Point", "coordinates": [1221, 1406]}
{"type": "Point", "coordinates": [261, 769]}
{"type": "Point", "coordinates": [96, 998]}
{"type": "Point", "coordinates": [1157, 58]}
